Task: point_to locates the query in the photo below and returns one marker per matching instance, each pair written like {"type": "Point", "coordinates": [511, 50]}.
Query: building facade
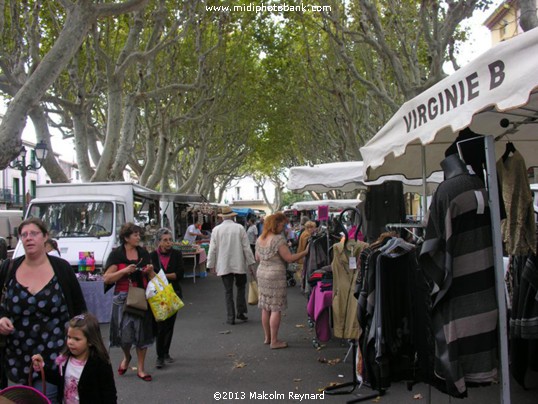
{"type": "Point", "coordinates": [246, 193]}
{"type": "Point", "coordinates": [11, 186]}
{"type": "Point", "coordinates": [503, 23]}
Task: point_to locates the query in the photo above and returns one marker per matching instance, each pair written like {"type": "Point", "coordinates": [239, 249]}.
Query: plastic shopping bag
{"type": "Point", "coordinates": [165, 303]}
{"type": "Point", "coordinates": [154, 285]}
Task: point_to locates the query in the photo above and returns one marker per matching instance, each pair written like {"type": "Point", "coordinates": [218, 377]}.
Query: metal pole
{"type": "Point", "coordinates": [493, 194]}
{"type": "Point", "coordinates": [23, 176]}
{"type": "Point", "coordinates": [424, 185]}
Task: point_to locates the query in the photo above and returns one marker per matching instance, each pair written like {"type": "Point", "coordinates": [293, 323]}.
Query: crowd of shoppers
{"type": "Point", "coordinates": [74, 357]}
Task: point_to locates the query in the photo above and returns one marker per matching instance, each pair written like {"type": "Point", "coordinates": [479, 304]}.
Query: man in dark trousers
{"type": "Point", "coordinates": [230, 255]}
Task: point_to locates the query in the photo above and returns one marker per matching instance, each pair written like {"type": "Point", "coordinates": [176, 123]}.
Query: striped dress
{"type": "Point", "coordinates": [457, 256]}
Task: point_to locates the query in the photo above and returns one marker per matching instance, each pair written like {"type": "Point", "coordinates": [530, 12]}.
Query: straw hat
{"type": "Point", "coordinates": [227, 212]}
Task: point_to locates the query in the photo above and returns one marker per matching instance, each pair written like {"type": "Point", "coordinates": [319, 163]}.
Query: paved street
{"type": "Point", "coordinates": [214, 357]}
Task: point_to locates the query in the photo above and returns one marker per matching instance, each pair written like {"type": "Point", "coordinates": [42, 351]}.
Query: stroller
{"type": "Point", "coordinates": [290, 274]}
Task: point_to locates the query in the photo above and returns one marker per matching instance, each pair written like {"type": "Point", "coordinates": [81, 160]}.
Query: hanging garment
{"type": "Point", "coordinates": [457, 256]}
{"type": "Point", "coordinates": [386, 316]}
{"type": "Point", "coordinates": [384, 204]}
{"type": "Point", "coordinates": [318, 309]}
{"type": "Point", "coordinates": [318, 256]}
{"type": "Point", "coordinates": [345, 266]}
{"type": "Point", "coordinates": [519, 227]}
{"type": "Point", "coordinates": [524, 316]}
{"type": "Point", "coordinates": [524, 320]}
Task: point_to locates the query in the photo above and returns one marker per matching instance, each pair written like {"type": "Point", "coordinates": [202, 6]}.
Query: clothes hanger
{"type": "Point", "coordinates": [510, 148]}
{"type": "Point", "coordinates": [341, 225]}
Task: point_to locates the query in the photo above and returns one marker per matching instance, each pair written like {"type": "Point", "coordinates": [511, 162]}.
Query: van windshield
{"type": "Point", "coordinates": [75, 219]}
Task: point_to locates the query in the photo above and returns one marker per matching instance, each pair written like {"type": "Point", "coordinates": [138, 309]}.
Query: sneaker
{"type": "Point", "coordinates": [242, 317]}
{"type": "Point", "coordinates": [169, 359]}
{"type": "Point", "coordinates": [160, 363]}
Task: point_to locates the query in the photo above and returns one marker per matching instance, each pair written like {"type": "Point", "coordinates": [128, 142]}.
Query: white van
{"type": "Point", "coordinates": [9, 222]}
{"type": "Point", "coordinates": [87, 217]}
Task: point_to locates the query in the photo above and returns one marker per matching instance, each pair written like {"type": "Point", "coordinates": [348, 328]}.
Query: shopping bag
{"type": "Point", "coordinates": [136, 302]}
{"type": "Point", "coordinates": [165, 303]}
{"type": "Point", "coordinates": [155, 286]}
{"type": "Point", "coordinates": [25, 394]}
{"type": "Point", "coordinates": [253, 292]}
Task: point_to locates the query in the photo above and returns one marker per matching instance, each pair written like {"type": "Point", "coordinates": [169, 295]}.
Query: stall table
{"type": "Point", "coordinates": [199, 259]}
{"type": "Point", "coordinates": [98, 302]}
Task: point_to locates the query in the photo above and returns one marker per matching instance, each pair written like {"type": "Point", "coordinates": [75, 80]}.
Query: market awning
{"type": "Point", "coordinates": [331, 203]}
{"type": "Point", "coordinates": [244, 212]}
{"type": "Point", "coordinates": [498, 87]}
{"type": "Point", "coordinates": [346, 177]}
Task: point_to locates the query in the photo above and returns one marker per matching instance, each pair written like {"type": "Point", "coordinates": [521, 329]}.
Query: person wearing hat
{"type": "Point", "coordinates": [229, 256]}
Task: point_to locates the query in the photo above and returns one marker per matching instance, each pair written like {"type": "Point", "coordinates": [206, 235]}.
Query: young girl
{"type": "Point", "coordinates": [84, 371]}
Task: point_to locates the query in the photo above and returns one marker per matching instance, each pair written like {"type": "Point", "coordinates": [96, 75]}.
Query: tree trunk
{"type": "Point", "coordinates": [55, 172]}
{"type": "Point", "coordinates": [529, 19]}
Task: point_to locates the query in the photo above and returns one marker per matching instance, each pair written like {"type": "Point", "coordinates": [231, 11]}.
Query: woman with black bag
{"type": "Point", "coordinates": [129, 266]}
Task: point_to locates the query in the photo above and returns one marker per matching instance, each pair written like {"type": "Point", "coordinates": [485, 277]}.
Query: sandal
{"type": "Point", "coordinates": [146, 377]}
{"type": "Point", "coordinates": [279, 345]}
{"type": "Point", "coordinates": [121, 371]}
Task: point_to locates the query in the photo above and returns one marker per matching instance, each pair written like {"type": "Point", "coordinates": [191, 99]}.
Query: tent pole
{"type": "Point", "coordinates": [493, 192]}
{"type": "Point", "coordinates": [424, 185]}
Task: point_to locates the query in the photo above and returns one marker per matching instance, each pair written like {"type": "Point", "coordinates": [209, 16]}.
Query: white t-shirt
{"type": "Point", "coordinates": [73, 370]}
{"type": "Point", "coordinates": [191, 229]}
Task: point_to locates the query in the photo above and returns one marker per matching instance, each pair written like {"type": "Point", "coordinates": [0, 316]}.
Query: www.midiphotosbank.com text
{"type": "Point", "coordinates": [272, 8]}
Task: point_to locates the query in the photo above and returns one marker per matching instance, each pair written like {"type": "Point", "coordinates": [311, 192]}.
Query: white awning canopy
{"type": "Point", "coordinates": [500, 84]}
{"type": "Point", "coordinates": [343, 176]}
{"type": "Point", "coordinates": [331, 203]}
{"type": "Point", "coordinates": [346, 177]}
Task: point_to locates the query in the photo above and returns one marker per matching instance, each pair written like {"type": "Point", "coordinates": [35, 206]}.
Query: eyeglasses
{"type": "Point", "coordinates": [30, 233]}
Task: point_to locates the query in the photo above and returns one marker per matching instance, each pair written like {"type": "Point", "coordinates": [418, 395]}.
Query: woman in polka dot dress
{"type": "Point", "coordinates": [41, 295]}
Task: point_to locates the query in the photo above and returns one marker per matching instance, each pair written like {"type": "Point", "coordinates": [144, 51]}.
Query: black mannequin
{"type": "Point", "coordinates": [472, 151]}
{"type": "Point", "coordinates": [453, 166]}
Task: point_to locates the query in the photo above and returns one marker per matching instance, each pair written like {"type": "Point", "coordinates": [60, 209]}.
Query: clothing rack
{"type": "Point", "coordinates": [352, 385]}
{"type": "Point", "coordinates": [335, 390]}
{"type": "Point", "coordinates": [406, 227]}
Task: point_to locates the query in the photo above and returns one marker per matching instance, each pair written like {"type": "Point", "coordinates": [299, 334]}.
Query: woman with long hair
{"type": "Point", "coordinates": [273, 253]}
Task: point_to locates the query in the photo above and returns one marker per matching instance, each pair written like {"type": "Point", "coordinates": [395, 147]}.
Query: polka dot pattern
{"type": "Point", "coordinates": [39, 322]}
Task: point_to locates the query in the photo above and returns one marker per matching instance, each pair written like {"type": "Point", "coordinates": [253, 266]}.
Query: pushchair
{"type": "Point", "coordinates": [290, 274]}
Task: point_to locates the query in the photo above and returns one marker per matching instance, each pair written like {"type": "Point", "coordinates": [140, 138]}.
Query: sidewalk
{"type": "Point", "coordinates": [214, 357]}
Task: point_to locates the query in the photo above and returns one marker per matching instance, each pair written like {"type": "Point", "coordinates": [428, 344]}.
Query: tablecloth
{"type": "Point", "coordinates": [98, 303]}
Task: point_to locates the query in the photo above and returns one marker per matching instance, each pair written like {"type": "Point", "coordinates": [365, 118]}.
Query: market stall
{"type": "Point", "coordinates": [336, 204]}
{"type": "Point", "coordinates": [495, 96]}
{"type": "Point", "coordinates": [348, 176]}
{"type": "Point", "coordinates": [194, 260]}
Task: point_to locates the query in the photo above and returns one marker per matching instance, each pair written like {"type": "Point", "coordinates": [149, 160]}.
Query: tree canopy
{"type": "Point", "coordinates": [191, 94]}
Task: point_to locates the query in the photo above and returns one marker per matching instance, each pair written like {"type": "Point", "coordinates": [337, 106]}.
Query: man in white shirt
{"type": "Point", "coordinates": [191, 233]}
{"type": "Point", "coordinates": [230, 255]}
